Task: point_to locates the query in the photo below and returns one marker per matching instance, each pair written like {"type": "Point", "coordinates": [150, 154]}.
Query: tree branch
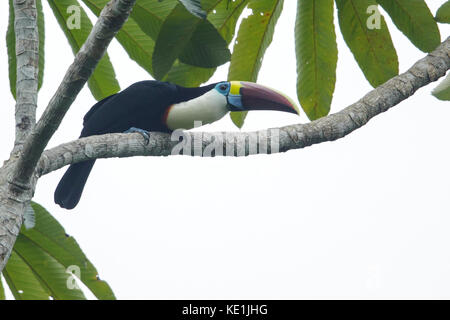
{"type": "Point", "coordinates": [298, 136]}
{"type": "Point", "coordinates": [13, 201]}
{"type": "Point", "coordinates": [111, 19]}
{"type": "Point", "coordinates": [18, 177]}
{"type": "Point", "coordinates": [27, 59]}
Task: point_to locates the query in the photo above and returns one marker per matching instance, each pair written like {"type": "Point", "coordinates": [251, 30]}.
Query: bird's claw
{"type": "Point", "coordinates": [142, 132]}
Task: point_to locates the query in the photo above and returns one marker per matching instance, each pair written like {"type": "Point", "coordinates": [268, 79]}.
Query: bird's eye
{"type": "Point", "coordinates": [223, 87]}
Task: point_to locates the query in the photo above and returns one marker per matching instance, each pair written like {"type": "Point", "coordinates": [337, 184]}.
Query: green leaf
{"type": "Point", "coordinates": [22, 281]}
{"type": "Point", "coordinates": [316, 50]}
{"type": "Point", "coordinates": [254, 37]}
{"type": "Point", "coordinates": [442, 91]}
{"type": "Point", "coordinates": [194, 7]}
{"type": "Point", "coordinates": [443, 13]}
{"type": "Point", "coordinates": [414, 19]}
{"type": "Point", "coordinates": [224, 16]}
{"type": "Point", "coordinates": [150, 15]}
{"type": "Point", "coordinates": [174, 41]}
{"type": "Point", "coordinates": [2, 289]}
{"type": "Point", "coordinates": [11, 47]}
{"type": "Point", "coordinates": [102, 82]}
{"type": "Point", "coordinates": [135, 42]}
{"type": "Point", "coordinates": [42, 260]}
{"type": "Point", "coordinates": [214, 54]}
{"type": "Point", "coordinates": [372, 47]}
{"type": "Point", "coordinates": [51, 237]}
{"type": "Point", "coordinates": [188, 76]}
{"type": "Point", "coordinates": [173, 37]}
{"type": "Point", "coordinates": [51, 274]}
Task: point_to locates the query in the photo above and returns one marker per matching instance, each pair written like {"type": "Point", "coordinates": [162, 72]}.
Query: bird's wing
{"type": "Point", "coordinates": [141, 105]}
{"type": "Point", "coordinates": [94, 108]}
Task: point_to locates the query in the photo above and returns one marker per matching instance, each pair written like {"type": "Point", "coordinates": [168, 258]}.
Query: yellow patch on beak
{"type": "Point", "coordinates": [235, 87]}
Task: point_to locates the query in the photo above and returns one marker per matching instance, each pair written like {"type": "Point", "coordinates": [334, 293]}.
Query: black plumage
{"type": "Point", "coordinates": [142, 105]}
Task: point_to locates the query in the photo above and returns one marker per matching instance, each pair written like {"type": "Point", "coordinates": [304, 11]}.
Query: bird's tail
{"type": "Point", "coordinates": [70, 188]}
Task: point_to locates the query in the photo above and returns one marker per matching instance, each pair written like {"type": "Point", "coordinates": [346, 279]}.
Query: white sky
{"type": "Point", "coordinates": [366, 216]}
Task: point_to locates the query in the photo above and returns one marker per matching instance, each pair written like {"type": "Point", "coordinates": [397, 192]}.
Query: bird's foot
{"type": "Point", "coordinates": [142, 132]}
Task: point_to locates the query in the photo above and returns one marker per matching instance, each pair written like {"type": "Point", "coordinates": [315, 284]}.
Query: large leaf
{"type": "Point", "coordinates": [414, 19]}
{"type": "Point", "coordinates": [135, 42]}
{"type": "Point", "coordinates": [254, 37]}
{"type": "Point", "coordinates": [316, 50]}
{"type": "Point", "coordinates": [188, 76]}
{"type": "Point", "coordinates": [372, 48]}
{"type": "Point", "coordinates": [51, 237]}
{"type": "Point", "coordinates": [51, 274]}
{"type": "Point", "coordinates": [2, 289]}
{"type": "Point", "coordinates": [443, 13]}
{"type": "Point", "coordinates": [194, 7]}
{"type": "Point", "coordinates": [22, 281]}
{"type": "Point", "coordinates": [150, 15]}
{"type": "Point", "coordinates": [208, 49]}
{"type": "Point", "coordinates": [44, 255]}
{"type": "Point", "coordinates": [214, 54]}
{"type": "Point", "coordinates": [173, 37]}
{"type": "Point", "coordinates": [224, 16]}
{"type": "Point", "coordinates": [442, 91]}
{"type": "Point", "coordinates": [11, 47]}
{"type": "Point", "coordinates": [102, 82]}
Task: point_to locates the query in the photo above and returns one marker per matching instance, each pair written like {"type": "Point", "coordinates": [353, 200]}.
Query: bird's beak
{"type": "Point", "coordinates": [247, 96]}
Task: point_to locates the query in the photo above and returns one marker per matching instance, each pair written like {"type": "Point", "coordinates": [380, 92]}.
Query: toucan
{"type": "Point", "coordinates": [163, 107]}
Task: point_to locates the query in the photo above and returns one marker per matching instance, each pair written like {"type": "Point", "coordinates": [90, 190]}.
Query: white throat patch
{"type": "Point", "coordinates": [207, 108]}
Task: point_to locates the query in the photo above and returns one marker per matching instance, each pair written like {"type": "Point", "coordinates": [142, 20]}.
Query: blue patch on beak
{"type": "Point", "coordinates": [235, 102]}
